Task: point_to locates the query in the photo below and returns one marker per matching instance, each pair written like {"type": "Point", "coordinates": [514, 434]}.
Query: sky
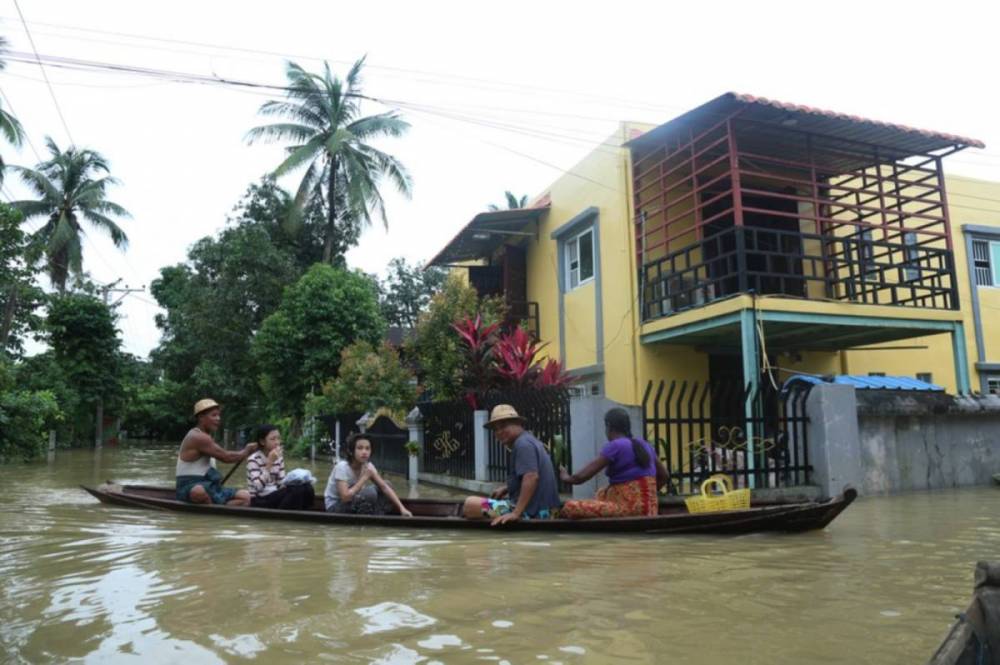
{"type": "Point", "coordinates": [500, 97]}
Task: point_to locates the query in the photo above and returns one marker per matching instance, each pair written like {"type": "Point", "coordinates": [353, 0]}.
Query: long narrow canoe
{"type": "Point", "coordinates": [974, 639]}
{"type": "Point", "coordinates": [446, 514]}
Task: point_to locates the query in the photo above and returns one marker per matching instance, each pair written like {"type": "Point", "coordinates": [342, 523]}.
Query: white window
{"type": "Point", "coordinates": [579, 259]}
{"type": "Point", "coordinates": [926, 377]}
{"type": "Point", "coordinates": [986, 262]}
{"type": "Point", "coordinates": [911, 256]}
{"type": "Point", "coordinates": [993, 386]}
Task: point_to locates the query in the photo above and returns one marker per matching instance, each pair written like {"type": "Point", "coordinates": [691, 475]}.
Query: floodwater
{"type": "Point", "coordinates": [85, 583]}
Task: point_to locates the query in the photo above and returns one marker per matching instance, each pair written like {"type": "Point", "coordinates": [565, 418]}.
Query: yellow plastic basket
{"type": "Point", "coordinates": [726, 499]}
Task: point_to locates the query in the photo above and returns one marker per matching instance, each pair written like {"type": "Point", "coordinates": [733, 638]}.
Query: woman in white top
{"type": "Point", "coordinates": [356, 487]}
{"type": "Point", "coordinates": [266, 473]}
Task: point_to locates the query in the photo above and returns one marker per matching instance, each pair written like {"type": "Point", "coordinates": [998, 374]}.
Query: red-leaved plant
{"type": "Point", "coordinates": [505, 360]}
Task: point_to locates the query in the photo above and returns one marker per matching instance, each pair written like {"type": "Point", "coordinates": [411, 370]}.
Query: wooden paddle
{"type": "Point", "coordinates": [231, 471]}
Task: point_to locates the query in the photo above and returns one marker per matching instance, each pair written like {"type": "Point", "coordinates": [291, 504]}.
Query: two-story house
{"type": "Point", "coordinates": [749, 236]}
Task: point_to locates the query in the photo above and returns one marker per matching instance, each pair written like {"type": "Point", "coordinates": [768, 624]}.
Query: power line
{"type": "Point", "coordinates": [408, 72]}
{"type": "Point", "coordinates": [52, 92]}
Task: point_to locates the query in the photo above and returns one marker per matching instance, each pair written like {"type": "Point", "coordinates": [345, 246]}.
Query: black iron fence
{"type": "Point", "coordinates": [449, 438]}
{"type": "Point", "coordinates": [389, 445]}
{"type": "Point", "coordinates": [701, 428]}
{"type": "Point", "coordinates": [348, 423]}
{"type": "Point", "coordinates": [547, 413]}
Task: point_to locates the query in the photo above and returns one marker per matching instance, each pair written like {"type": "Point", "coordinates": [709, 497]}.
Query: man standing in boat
{"type": "Point", "coordinates": [531, 491]}
{"type": "Point", "coordinates": [198, 481]}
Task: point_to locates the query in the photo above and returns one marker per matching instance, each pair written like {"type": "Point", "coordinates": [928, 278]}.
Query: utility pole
{"type": "Point", "coordinates": [106, 292]}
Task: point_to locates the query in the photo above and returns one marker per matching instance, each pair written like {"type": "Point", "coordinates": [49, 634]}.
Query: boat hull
{"type": "Point", "coordinates": [442, 514]}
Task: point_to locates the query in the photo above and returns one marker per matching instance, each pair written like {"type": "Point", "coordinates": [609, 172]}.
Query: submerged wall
{"type": "Point", "coordinates": [904, 441]}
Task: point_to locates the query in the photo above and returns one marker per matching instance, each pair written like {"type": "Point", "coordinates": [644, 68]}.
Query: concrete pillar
{"type": "Point", "coordinates": [751, 378]}
{"type": "Point", "coordinates": [834, 442]}
{"type": "Point", "coordinates": [961, 358]}
{"type": "Point", "coordinates": [415, 423]}
{"type": "Point", "coordinates": [480, 441]}
{"type": "Point", "coordinates": [586, 414]}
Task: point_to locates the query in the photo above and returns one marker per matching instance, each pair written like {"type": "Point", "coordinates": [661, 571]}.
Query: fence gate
{"type": "Point", "coordinates": [699, 428]}
{"type": "Point", "coordinates": [449, 439]}
{"type": "Point", "coordinates": [547, 413]}
{"type": "Point", "coordinates": [389, 445]}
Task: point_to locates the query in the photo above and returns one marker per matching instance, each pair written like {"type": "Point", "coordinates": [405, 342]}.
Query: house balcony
{"type": "Point", "coordinates": [853, 268]}
{"type": "Point", "coordinates": [749, 196]}
{"type": "Point", "coordinates": [493, 249]}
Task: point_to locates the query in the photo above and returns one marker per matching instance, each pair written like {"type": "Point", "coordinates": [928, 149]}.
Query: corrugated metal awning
{"type": "Point", "coordinates": [900, 139]}
{"type": "Point", "coordinates": [487, 232]}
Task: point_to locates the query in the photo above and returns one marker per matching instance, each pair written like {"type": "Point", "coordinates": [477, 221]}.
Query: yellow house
{"type": "Point", "coordinates": [750, 240]}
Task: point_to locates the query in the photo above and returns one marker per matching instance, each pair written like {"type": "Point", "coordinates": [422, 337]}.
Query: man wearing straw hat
{"type": "Point", "coordinates": [198, 481]}
{"type": "Point", "coordinates": [531, 491]}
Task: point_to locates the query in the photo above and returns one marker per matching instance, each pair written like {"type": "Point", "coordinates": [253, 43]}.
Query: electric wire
{"type": "Point", "coordinates": [45, 75]}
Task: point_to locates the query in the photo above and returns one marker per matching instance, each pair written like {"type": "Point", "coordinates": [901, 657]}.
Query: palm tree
{"type": "Point", "coordinates": [513, 203]}
{"type": "Point", "coordinates": [329, 136]}
{"type": "Point", "coordinates": [10, 127]}
{"type": "Point", "coordinates": [72, 186]}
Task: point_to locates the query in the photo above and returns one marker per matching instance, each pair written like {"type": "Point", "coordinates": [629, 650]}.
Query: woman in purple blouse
{"type": "Point", "coordinates": [634, 472]}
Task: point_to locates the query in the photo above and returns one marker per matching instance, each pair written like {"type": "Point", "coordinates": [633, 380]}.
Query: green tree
{"type": "Point", "coordinates": [25, 416]}
{"type": "Point", "coordinates": [299, 347]}
{"type": "Point", "coordinates": [153, 407]}
{"type": "Point", "coordinates": [511, 202]}
{"type": "Point", "coordinates": [435, 346]}
{"type": "Point", "coordinates": [217, 300]}
{"type": "Point", "coordinates": [330, 138]}
{"type": "Point", "coordinates": [10, 127]}
{"type": "Point", "coordinates": [406, 291]}
{"type": "Point", "coordinates": [370, 378]}
{"type": "Point", "coordinates": [81, 331]}
{"type": "Point", "coordinates": [20, 297]}
{"type": "Point", "coordinates": [71, 186]}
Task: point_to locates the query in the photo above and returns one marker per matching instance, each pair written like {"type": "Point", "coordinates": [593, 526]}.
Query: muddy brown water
{"type": "Point", "coordinates": [85, 583]}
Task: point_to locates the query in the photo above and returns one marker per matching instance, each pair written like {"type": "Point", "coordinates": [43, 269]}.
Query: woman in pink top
{"type": "Point", "coordinates": [634, 472]}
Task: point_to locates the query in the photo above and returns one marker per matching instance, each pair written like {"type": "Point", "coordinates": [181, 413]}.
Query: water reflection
{"type": "Point", "coordinates": [88, 583]}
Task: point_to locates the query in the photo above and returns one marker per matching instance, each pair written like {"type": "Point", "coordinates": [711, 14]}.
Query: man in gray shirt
{"type": "Point", "coordinates": [531, 491]}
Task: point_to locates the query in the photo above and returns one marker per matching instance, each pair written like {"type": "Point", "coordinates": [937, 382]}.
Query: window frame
{"type": "Point", "coordinates": [990, 264]}
{"type": "Point", "coordinates": [992, 381]}
{"type": "Point", "coordinates": [574, 244]}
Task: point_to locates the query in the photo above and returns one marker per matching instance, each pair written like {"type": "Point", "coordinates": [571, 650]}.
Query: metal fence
{"type": "Point", "coordinates": [547, 413]}
{"type": "Point", "coordinates": [348, 425]}
{"type": "Point", "coordinates": [701, 428]}
{"type": "Point", "coordinates": [389, 445]}
{"type": "Point", "coordinates": [449, 438]}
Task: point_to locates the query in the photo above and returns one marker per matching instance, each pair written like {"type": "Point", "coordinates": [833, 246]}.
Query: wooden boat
{"type": "Point", "coordinates": [975, 637]}
{"type": "Point", "coordinates": [446, 514]}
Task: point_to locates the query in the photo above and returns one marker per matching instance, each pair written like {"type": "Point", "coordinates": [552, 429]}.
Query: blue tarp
{"type": "Point", "coordinates": [869, 382]}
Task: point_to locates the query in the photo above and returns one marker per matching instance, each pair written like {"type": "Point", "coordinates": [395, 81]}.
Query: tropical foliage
{"type": "Point", "coordinates": [72, 187]}
{"type": "Point", "coordinates": [25, 416]}
{"type": "Point", "coordinates": [370, 378]}
{"type": "Point", "coordinates": [511, 202]}
{"type": "Point", "coordinates": [20, 297]}
{"type": "Point", "coordinates": [10, 127]}
{"type": "Point", "coordinates": [406, 291]}
{"type": "Point", "coordinates": [298, 347]}
{"type": "Point", "coordinates": [503, 359]}
{"type": "Point", "coordinates": [436, 348]}
{"type": "Point", "coordinates": [330, 138]}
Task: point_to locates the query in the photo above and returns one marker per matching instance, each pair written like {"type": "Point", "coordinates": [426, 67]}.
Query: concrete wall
{"type": "Point", "coordinates": [909, 442]}
{"type": "Point", "coordinates": [883, 442]}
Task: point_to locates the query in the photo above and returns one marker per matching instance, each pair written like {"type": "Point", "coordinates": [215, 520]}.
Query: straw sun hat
{"type": "Point", "coordinates": [204, 405]}
{"type": "Point", "coordinates": [503, 412]}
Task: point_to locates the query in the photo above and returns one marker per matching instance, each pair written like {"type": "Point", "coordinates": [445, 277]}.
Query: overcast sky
{"type": "Point", "coordinates": [499, 95]}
